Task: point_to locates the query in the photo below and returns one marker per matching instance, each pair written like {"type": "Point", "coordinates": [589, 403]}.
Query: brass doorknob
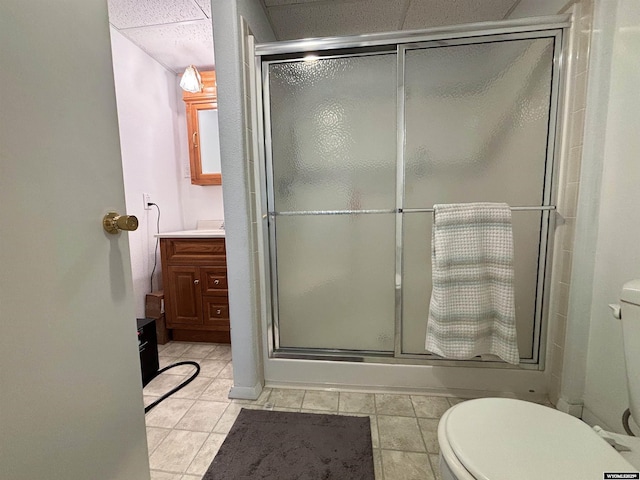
{"type": "Point", "coordinates": [113, 223]}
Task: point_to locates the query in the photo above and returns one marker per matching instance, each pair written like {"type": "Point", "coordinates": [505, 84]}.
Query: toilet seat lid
{"type": "Point", "coordinates": [503, 439]}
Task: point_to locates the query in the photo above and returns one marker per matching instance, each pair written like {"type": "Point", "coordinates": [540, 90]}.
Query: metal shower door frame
{"type": "Point", "coordinates": [279, 52]}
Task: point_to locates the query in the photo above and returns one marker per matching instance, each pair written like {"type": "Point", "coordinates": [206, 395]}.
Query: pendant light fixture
{"type": "Point", "coordinates": [191, 80]}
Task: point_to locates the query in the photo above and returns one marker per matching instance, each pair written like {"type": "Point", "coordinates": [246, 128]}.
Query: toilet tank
{"type": "Point", "coordinates": [630, 306]}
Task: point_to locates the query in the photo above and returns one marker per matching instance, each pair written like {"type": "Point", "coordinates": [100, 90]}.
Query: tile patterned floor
{"type": "Point", "coordinates": [185, 431]}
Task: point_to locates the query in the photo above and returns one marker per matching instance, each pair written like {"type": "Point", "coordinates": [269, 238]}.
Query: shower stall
{"type": "Point", "coordinates": [359, 138]}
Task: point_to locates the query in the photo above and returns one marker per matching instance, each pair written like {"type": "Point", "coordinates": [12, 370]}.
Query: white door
{"type": "Point", "coordinates": [70, 389]}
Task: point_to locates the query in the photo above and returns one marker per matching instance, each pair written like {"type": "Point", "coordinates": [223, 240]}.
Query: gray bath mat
{"type": "Point", "coordinates": [294, 446]}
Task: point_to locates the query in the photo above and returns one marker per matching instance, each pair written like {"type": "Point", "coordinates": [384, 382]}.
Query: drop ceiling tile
{"type": "Point", "coordinates": [304, 20]}
{"type": "Point", "coordinates": [136, 13]}
{"type": "Point", "coordinates": [434, 13]}
{"type": "Point", "coordinates": [205, 5]}
{"type": "Point", "coordinates": [177, 46]}
{"type": "Point", "coordinates": [274, 3]}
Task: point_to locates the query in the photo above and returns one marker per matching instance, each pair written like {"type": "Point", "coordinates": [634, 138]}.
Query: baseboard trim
{"type": "Point", "coordinates": [435, 392]}
{"type": "Point", "coordinates": [246, 393]}
{"type": "Point", "coordinates": [573, 409]}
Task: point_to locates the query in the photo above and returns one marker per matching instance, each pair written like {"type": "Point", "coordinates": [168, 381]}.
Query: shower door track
{"type": "Point", "coordinates": [470, 30]}
{"type": "Point", "coordinates": [378, 44]}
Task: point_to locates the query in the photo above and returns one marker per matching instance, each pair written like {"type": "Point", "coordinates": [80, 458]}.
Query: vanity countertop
{"type": "Point", "coordinates": [205, 229]}
{"type": "Point", "coordinates": [203, 233]}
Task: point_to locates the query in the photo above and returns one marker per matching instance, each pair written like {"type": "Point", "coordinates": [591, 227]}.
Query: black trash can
{"type": "Point", "coordinates": [148, 347]}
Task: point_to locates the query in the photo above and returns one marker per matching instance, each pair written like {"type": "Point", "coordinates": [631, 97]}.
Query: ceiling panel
{"type": "Point", "coordinates": [273, 3]}
{"type": "Point", "coordinates": [205, 5]}
{"type": "Point", "coordinates": [178, 32]}
{"type": "Point", "coordinates": [433, 13]}
{"type": "Point", "coordinates": [323, 19]}
{"type": "Point", "coordinates": [177, 46]}
{"type": "Point", "coordinates": [136, 13]}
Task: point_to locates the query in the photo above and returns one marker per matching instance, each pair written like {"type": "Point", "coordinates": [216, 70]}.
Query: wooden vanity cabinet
{"type": "Point", "coordinates": [194, 273]}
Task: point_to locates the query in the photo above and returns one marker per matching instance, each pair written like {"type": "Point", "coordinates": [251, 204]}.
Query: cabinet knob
{"type": "Point", "coordinates": [218, 312]}
{"type": "Point", "coordinates": [196, 282]}
{"type": "Point", "coordinates": [216, 282]}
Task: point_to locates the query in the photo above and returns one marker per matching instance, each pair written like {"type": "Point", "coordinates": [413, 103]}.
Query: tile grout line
{"type": "Point", "coordinates": [415, 415]}
{"type": "Point", "coordinates": [424, 443]}
{"type": "Point", "coordinates": [419, 427]}
{"type": "Point", "coordinates": [433, 469]}
{"type": "Point", "coordinates": [199, 450]}
{"type": "Point", "coordinates": [375, 409]}
{"type": "Point", "coordinates": [156, 447]}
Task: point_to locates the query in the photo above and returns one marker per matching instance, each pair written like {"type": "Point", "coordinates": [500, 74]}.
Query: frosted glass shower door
{"type": "Point", "coordinates": [332, 167]}
{"type": "Point", "coordinates": [477, 120]}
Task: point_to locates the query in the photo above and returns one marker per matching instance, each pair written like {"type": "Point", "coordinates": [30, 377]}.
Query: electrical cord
{"type": "Point", "coordinates": [152, 405]}
{"type": "Point", "coordinates": [175, 389]}
{"type": "Point", "coordinates": [155, 252]}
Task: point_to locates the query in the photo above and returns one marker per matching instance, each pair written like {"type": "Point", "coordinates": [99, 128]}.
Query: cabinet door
{"type": "Point", "coordinates": [184, 296]}
{"type": "Point", "coordinates": [204, 147]}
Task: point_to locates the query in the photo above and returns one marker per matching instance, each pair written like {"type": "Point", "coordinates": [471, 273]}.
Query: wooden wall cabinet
{"type": "Point", "coordinates": [194, 274]}
{"type": "Point", "coordinates": [202, 119]}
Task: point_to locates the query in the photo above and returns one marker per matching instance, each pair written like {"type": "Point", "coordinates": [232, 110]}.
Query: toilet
{"type": "Point", "coordinates": [506, 439]}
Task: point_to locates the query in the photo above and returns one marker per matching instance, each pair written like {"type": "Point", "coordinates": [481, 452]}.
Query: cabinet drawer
{"type": "Point", "coordinates": [216, 315]}
{"type": "Point", "coordinates": [192, 251]}
{"type": "Point", "coordinates": [214, 281]}
{"type": "Point", "coordinates": [217, 311]}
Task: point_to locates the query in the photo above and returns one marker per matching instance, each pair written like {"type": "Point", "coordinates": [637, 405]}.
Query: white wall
{"type": "Point", "coordinates": [617, 254]}
{"type": "Point", "coordinates": [579, 302]}
{"type": "Point", "coordinates": [147, 122]}
{"type": "Point", "coordinates": [153, 136]}
{"type": "Point", "coordinates": [607, 250]}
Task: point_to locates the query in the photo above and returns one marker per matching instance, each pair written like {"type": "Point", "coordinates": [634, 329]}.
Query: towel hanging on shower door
{"type": "Point", "coordinates": [472, 308]}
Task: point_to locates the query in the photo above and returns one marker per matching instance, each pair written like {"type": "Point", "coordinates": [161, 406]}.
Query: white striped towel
{"type": "Point", "coordinates": [472, 310]}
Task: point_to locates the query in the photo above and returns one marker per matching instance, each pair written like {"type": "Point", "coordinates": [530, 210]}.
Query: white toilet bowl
{"type": "Point", "coordinates": [507, 439]}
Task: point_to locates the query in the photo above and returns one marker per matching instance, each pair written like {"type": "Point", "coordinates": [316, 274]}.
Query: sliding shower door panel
{"type": "Point", "coordinates": [332, 134]}
{"type": "Point", "coordinates": [417, 279]}
{"type": "Point", "coordinates": [477, 120]}
{"type": "Point", "coordinates": [335, 281]}
{"type": "Point", "coordinates": [333, 124]}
